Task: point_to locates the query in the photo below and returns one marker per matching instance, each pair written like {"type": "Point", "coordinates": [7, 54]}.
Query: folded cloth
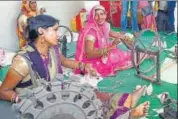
{"type": "Point", "coordinates": [90, 80]}
{"type": "Point", "coordinates": [6, 57]}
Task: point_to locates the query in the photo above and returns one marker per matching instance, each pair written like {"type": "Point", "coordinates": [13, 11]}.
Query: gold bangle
{"type": "Point", "coordinates": [75, 64]}
{"type": "Point", "coordinates": [102, 52]}
{"type": "Point", "coordinates": [105, 51]}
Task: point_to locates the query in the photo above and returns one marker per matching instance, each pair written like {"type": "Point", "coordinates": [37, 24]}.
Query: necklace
{"type": "Point", "coordinates": [103, 37]}
{"type": "Point", "coordinates": [46, 61]}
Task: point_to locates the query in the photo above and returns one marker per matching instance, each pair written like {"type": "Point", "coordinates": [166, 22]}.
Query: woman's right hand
{"type": "Point", "coordinates": [92, 71]}
{"type": "Point", "coordinates": [115, 42]}
{"type": "Point", "coordinates": [113, 46]}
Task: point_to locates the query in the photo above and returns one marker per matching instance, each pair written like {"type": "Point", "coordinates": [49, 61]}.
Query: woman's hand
{"type": "Point", "coordinates": [116, 42]}
{"type": "Point", "coordinates": [116, 35]}
{"type": "Point", "coordinates": [90, 70]}
{"type": "Point", "coordinates": [118, 38]}
{"type": "Point", "coordinates": [121, 35]}
{"type": "Point", "coordinates": [129, 42]}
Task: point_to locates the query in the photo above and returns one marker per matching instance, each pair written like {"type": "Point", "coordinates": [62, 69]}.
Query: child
{"type": "Point", "coordinates": [149, 21]}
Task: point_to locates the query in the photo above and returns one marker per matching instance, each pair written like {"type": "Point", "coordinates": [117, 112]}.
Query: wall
{"type": "Point", "coordinates": [90, 4]}
{"type": "Point", "coordinates": [63, 10]}
{"type": "Point", "coordinates": [9, 11]}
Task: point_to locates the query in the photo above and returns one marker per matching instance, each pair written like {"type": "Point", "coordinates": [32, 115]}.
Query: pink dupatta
{"type": "Point", "coordinates": [117, 59]}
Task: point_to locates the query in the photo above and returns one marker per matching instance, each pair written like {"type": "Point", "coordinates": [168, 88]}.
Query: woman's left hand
{"type": "Point", "coordinates": [116, 42]}
{"type": "Point", "coordinates": [121, 36]}
{"type": "Point", "coordinates": [90, 70]}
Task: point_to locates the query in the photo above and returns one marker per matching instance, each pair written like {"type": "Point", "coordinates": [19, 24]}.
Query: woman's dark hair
{"type": "Point", "coordinates": [33, 23]}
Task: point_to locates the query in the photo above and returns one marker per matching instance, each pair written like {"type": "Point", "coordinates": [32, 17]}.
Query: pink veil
{"type": "Point", "coordinates": [117, 59]}
{"type": "Point", "coordinates": [91, 24]}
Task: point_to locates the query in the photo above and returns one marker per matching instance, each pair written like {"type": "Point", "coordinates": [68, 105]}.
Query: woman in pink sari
{"type": "Point", "coordinates": [93, 45]}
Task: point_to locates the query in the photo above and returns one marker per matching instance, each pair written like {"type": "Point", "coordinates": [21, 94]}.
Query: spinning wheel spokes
{"type": "Point", "coordinates": [75, 101]}
{"type": "Point", "coordinates": [65, 31]}
{"type": "Point", "coordinates": [147, 45]}
{"type": "Point", "coordinates": [65, 38]}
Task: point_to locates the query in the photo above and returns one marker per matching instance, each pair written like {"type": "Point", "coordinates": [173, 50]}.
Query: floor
{"type": "Point", "coordinates": [126, 81]}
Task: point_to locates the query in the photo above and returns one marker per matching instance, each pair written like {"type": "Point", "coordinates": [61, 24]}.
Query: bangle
{"type": "Point", "coordinates": [82, 67]}
{"type": "Point", "coordinates": [75, 65]}
{"type": "Point", "coordinates": [104, 51]}
{"type": "Point", "coordinates": [17, 99]}
{"type": "Point", "coordinates": [83, 72]}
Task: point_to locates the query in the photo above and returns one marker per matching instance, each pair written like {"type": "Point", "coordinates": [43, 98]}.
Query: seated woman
{"type": "Point", "coordinates": [42, 59]}
{"type": "Point", "coordinates": [93, 45]}
{"type": "Point", "coordinates": [38, 59]}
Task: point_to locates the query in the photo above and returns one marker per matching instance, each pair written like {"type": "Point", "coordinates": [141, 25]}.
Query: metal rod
{"type": "Point", "coordinates": [153, 80]}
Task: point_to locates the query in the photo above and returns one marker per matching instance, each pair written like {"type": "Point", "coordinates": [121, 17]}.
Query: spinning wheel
{"type": "Point", "coordinates": [65, 37]}
{"type": "Point", "coordinates": [65, 32]}
{"type": "Point", "coordinates": [60, 100]}
{"type": "Point", "coordinates": [145, 46]}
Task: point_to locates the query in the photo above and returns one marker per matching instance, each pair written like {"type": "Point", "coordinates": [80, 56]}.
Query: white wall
{"type": "Point", "coordinates": [90, 4]}
{"type": "Point", "coordinates": [9, 10]}
{"type": "Point", "coordinates": [63, 10]}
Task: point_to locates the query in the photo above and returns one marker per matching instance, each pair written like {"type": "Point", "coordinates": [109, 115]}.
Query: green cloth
{"type": "Point", "coordinates": [3, 72]}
